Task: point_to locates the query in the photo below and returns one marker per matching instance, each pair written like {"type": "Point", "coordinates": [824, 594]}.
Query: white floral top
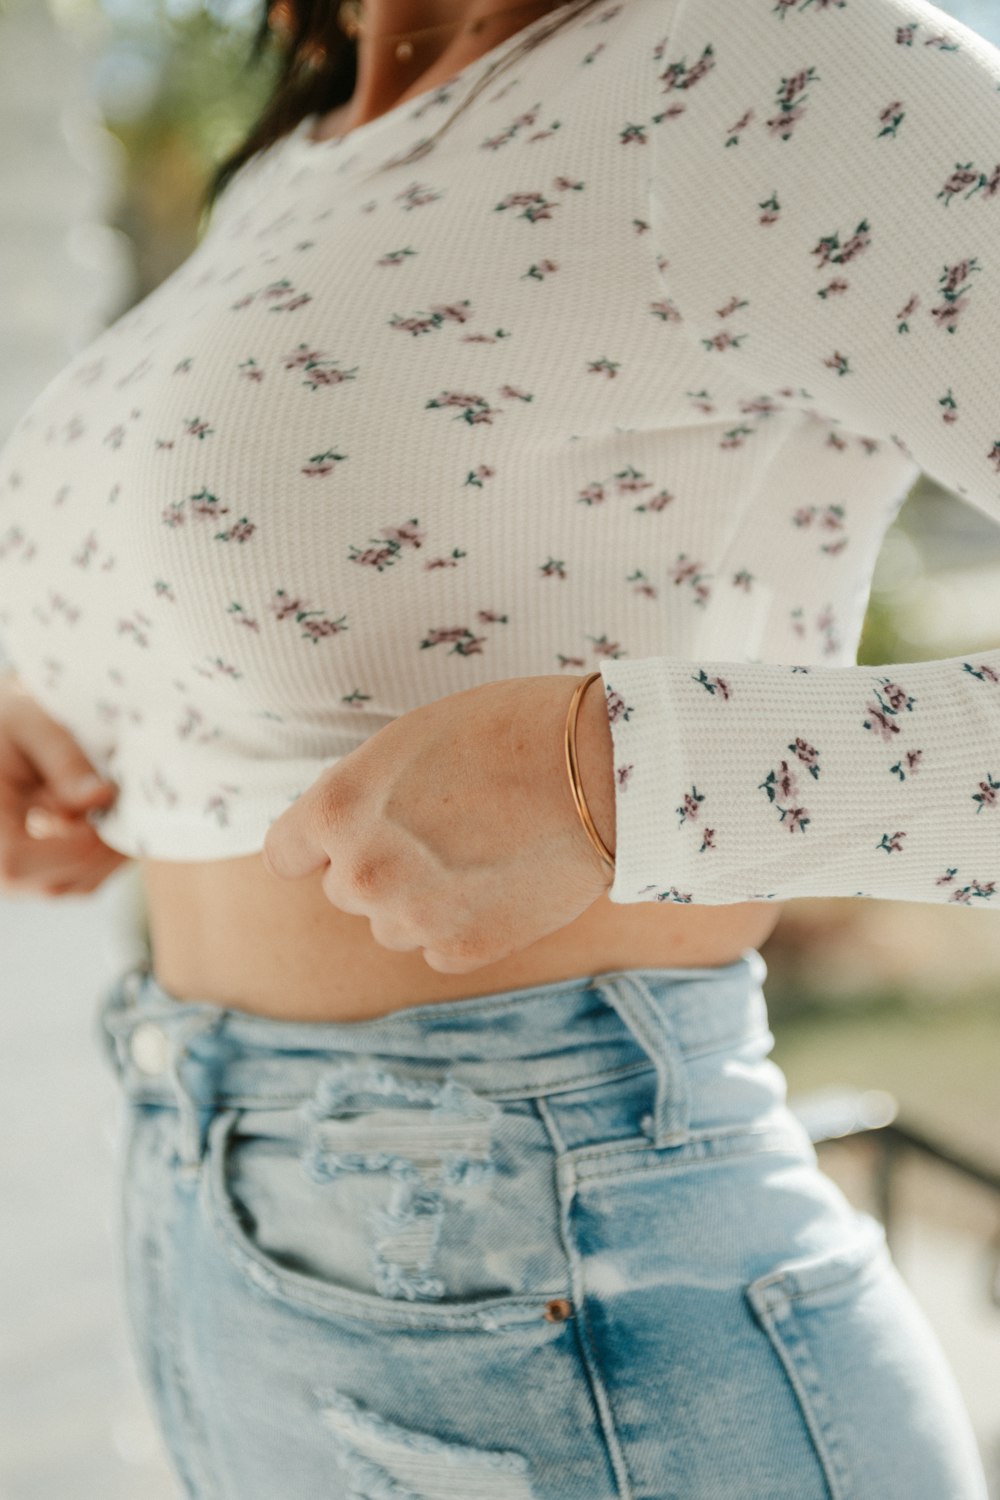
{"type": "Point", "coordinates": [630, 370]}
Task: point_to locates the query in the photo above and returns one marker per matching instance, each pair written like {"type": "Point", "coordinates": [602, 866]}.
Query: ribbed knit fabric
{"type": "Point", "coordinates": [631, 370]}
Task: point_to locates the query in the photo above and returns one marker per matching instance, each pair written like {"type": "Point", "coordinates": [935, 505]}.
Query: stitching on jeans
{"type": "Point", "coordinates": [587, 1344]}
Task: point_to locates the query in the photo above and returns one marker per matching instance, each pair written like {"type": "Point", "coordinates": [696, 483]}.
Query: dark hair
{"type": "Point", "coordinates": [318, 72]}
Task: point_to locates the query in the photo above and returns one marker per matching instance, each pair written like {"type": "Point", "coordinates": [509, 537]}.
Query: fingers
{"type": "Point", "coordinates": [27, 861]}
{"type": "Point", "coordinates": [65, 774]}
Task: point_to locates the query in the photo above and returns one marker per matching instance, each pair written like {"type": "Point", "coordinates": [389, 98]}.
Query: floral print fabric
{"type": "Point", "coordinates": [630, 370]}
{"type": "Point", "coordinates": [826, 203]}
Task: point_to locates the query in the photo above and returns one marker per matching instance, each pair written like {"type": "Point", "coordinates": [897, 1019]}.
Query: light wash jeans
{"type": "Point", "coordinates": [561, 1243]}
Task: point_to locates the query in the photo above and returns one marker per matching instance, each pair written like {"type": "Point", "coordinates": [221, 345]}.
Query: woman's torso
{"type": "Point", "coordinates": [226, 930]}
{"type": "Point", "coordinates": [229, 931]}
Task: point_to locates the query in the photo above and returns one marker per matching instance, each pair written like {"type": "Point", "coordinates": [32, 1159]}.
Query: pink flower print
{"type": "Point", "coordinates": [891, 843]}
{"type": "Point", "coordinates": [987, 793]}
{"type": "Point", "coordinates": [593, 493]}
{"type": "Point", "coordinates": [204, 503]}
{"type": "Point", "coordinates": [536, 206]}
{"type": "Point", "coordinates": [623, 775]}
{"type": "Point", "coordinates": [197, 428]}
{"type": "Point", "coordinates": [906, 313]}
{"type": "Point", "coordinates": [394, 257]}
{"type": "Point", "coordinates": [984, 671]}
{"type": "Point", "coordinates": [444, 562]}
{"type": "Point", "coordinates": [657, 502]}
{"type": "Point", "coordinates": [86, 551]}
{"type": "Point", "coordinates": [389, 545]}
{"type": "Point", "coordinates": [406, 535]}
{"type": "Point", "coordinates": [964, 894]}
{"type": "Point", "coordinates": [770, 209]}
{"type": "Point", "coordinates": [183, 366]}
{"type": "Point", "coordinates": [673, 894]}
{"type": "Point", "coordinates": [679, 76]}
{"type": "Point", "coordinates": [665, 309]}
{"type": "Point", "coordinates": [805, 753]}
{"type": "Point", "coordinates": [240, 531]}
{"type": "Point", "coordinates": [688, 810]}
{"type": "Point", "coordinates": [514, 393]}
{"type": "Point", "coordinates": [606, 648]}
{"type": "Point", "coordinates": [241, 617]}
{"type": "Point", "coordinates": [890, 119]}
{"type": "Point", "coordinates": [116, 436]}
{"type": "Point", "coordinates": [735, 132]}
{"type": "Point", "coordinates": [322, 463]}
{"type": "Point", "coordinates": [251, 370]}
{"type": "Point", "coordinates": [415, 323]}
{"type": "Point", "coordinates": [378, 556]}
{"type": "Point", "coordinates": [136, 627]}
{"type": "Point", "coordinates": [642, 584]}
{"type": "Point", "coordinates": [952, 289]}
{"type": "Point", "coordinates": [553, 568]}
{"type": "Point", "coordinates": [838, 362]}
{"type": "Point", "coordinates": [577, 662]}
{"type": "Point", "coordinates": [636, 134]}
{"type": "Point", "coordinates": [616, 705]}
{"type": "Point", "coordinates": [319, 629]}
{"type": "Point", "coordinates": [908, 762]}
{"type": "Point", "coordinates": [416, 196]}
{"type": "Point", "coordinates": [478, 474]}
{"type": "Point", "coordinates": [720, 342]}
{"type": "Point", "coordinates": [603, 366]}
{"type": "Point", "coordinates": [356, 699]}
{"type": "Point", "coordinates": [906, 34]}
{"type": "Point", "coordinates": [684, 571]}
{"type": "Point", "coordinates": [783, 784]}
{"type": "Point", "coordinates": [707, 840]}
{"type": "Point", "coordinates": [163, 590]}
{"type": "Point", "coordinates": [464, 642]}
{"type": "Point", "coordinates": [713, 685]}
{"type": "Point", "coordinates": [959, 179]}
{"type": "Point", "coordinates": [950, 412]}
{"type": "Point", "coordinates": [472, 409]}
{"type": "Point", "coordinates": [219, 668]}
{"type": "Point", "coordinates": [217, 806]}
{"type": "Point", "coordinates": [284, 606]}
{"type": "Point", "coordinates": [539, 269]}
{"type": "Point", "coordinates": [700, 401]}
{"type": "Point", "coordinates": [491, 617]}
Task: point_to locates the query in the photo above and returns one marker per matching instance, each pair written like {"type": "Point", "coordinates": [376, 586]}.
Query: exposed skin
{"type": "Point", "coordinates": [448, 844]}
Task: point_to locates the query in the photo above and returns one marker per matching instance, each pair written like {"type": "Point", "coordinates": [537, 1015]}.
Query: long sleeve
{"type": "Point", "coordinates": [825, 191]}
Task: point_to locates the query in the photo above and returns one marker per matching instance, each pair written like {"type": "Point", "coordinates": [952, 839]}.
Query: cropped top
{"type": "Point", "coordinates": [630, 370]}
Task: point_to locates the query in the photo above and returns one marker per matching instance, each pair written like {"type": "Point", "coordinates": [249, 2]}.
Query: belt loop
{"type": "Point", "coordinates": [192, 1114]}
{"type": "Point", "coordinates": [631, 998]}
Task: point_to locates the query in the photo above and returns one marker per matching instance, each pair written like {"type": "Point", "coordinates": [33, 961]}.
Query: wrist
{"type": "Point", "coordinates": [595, 759]}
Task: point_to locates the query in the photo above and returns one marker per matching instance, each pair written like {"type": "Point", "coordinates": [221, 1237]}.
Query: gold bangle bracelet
{"type": "Point", "coordinates": [574, 772]}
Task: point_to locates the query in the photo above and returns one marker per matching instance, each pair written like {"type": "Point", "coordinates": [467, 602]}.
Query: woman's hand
{"type": "Point", "coordinates": [453, 829]}
{"type": "Point", "coordinates": [47, 846]}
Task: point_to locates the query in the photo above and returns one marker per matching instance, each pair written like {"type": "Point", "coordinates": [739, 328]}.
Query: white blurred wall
{"type": "Point", "coordinates": [73, 1424]}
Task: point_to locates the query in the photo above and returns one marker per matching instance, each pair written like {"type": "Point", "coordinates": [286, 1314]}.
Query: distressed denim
{"type": "Point", "coordinates": [567, 1242]}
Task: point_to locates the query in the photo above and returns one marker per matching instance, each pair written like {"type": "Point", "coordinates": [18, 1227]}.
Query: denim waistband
{"type": "Point", "coordinates": [521, 1043]}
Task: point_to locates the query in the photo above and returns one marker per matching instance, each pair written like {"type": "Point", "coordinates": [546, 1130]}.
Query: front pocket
{"type": "Point", "coordinates": [825, 1319]}
{"type": "Point", "coordinates": [411, 1221]}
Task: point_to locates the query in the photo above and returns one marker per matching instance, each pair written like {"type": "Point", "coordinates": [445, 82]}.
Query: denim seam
{"type": "Point", "coordinates": [584, 1333]}
{"type": "Point", "coordinates": [645, 1157]}
{"type": "Point", "coordinates": [792, 1349]}
{"type": "Point", "coordinates": [149, 1094]}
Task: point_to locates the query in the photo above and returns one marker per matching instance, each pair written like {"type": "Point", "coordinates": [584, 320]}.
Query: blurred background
{"type": "Point", "coordinates": [886, 1014]}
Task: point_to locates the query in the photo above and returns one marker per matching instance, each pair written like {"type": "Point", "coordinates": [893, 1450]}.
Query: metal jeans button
{"type": "Point", "coordinates": [149, 1047]}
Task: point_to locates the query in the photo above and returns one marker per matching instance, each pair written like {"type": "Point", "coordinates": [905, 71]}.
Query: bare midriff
{"type": "Point", "coordinates": [231, 932]}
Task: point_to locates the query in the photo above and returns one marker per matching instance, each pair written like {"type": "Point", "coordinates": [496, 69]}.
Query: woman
{"type": "Point", "coordinates": [523, 347]}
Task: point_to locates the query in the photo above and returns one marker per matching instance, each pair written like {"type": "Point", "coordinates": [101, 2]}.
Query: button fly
{"type": "Point", "coordinates": [149, 1047]}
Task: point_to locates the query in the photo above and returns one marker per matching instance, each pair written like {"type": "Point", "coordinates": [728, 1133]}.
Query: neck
{"type": "Point", "coordinates": [382, 77]}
